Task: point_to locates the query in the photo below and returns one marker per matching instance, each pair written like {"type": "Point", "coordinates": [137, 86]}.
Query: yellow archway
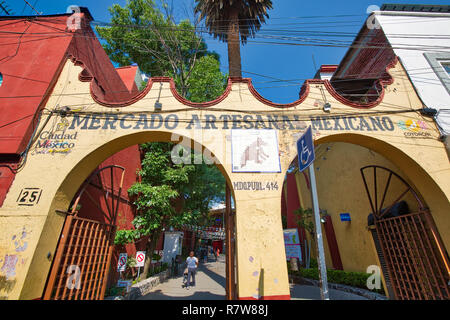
{"type": "Point", "coordinates": [96, 130]}
{"type": "Point", "coordinates": [341, 189]}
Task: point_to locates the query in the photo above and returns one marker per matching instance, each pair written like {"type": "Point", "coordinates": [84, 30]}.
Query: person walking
{"type": "Point", "coordinates": [192, 264]}
{"type": "Point", "coordinates": [218, 253]}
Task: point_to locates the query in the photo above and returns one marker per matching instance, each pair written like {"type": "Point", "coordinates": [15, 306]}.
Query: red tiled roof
{"type": "Point", "coordinates": [328, 68]}
{"type": "Point", "coordinates": [128, 76]}
{"type": "Point", "coordinates": [33, 51]}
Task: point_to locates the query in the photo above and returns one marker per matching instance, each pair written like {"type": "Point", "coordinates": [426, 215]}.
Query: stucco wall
{"type": "Point", "coordinates": [412, 35]}
{"type": "Point", "coordinates": [341, 189]}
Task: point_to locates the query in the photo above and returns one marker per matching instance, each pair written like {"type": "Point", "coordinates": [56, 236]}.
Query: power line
{"type": "Point", "coordinates": [301, 42]}
{"type": "Point", "coordinates": [60, 31]}
{"type": "Point", "coordinates": [4, 8]}
{"type": "Point", "coordinates": [176, 28]}
{"type": "Point", "coordinates": [39, 13]}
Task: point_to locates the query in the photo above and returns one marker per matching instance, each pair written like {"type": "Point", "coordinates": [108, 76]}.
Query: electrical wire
{"type": "Point", "coordinates": [9, 57]}
{"type": "Point", "coordinates": [60, 30]}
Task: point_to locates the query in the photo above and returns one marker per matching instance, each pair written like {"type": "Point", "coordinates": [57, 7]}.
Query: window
{"type": "Point", "coordinates": [446, 66]}
{"type": "Point", "coordinates": [440, 63]}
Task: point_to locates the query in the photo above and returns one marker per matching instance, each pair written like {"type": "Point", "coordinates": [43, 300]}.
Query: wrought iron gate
{"type": "Point", "coordinates": [82, 260]}
{"type": "Point", "coordinates": [416, 260]}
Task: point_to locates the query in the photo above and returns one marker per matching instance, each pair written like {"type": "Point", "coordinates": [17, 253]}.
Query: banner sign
{"type": "Point", "coordinates": [292, 244]}
{"type": "Point", "coordinates": [212, 233]}
{"type": "Point", "coordinates": [171, 121]}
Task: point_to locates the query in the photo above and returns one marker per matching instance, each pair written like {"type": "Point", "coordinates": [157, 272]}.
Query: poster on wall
{"type": "Point", "coordinates": [172, 246]}
{"type": "Point", "coordinates": [292, 244]}
{"type": "Point", "coordinates": [254, 151]}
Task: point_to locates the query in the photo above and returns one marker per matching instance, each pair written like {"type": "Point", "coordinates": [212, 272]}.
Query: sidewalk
{"type": "Point", "coordinates": [303, 292]}
{"type": "Point", "coordinates": [210, 285]}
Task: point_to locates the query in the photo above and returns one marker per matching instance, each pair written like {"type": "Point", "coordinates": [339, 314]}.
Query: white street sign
{"type": "Point", "coordinates": [140, 258]}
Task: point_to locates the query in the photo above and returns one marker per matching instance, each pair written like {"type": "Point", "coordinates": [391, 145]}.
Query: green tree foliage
{"type": "Point", "coordinates": [169, 195]}
{"type": "Point", "coordinates": [206, 81]}
{"type": "Point", "coordinates": [140, 33]}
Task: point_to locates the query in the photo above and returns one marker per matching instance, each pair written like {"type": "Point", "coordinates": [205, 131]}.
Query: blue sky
{"type": "Point", "coordinates": [265, 63]}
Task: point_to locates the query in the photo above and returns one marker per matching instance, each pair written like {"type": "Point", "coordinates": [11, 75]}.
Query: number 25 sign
{"type": "Point", "coordinates": [29, 196]}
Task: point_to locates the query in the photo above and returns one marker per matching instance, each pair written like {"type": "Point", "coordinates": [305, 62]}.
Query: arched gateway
{"type": "Point", "coordinates": [252, 140]}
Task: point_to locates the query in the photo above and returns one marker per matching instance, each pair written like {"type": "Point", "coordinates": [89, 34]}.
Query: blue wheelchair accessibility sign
{"type": "Point", "coordinates": [305, 150]}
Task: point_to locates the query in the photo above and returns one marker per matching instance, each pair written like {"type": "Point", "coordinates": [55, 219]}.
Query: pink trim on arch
{"type": "Point", "coordinates": [173, 90]}
{"type": "Point", "coordinates": [303, 94]}
{"type": "Point", "coordinates": [184, 101]}
{"type": "Point", "coordinates": [380, 82]}
{"type": "Point", "coordinates": [85, 76]}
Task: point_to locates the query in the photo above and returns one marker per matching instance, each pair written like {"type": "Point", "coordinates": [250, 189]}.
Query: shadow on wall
{"type": "Point", "coordinates": [261, 284]}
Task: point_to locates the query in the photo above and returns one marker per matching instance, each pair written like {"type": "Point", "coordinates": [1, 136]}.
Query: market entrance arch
{"type": "Point", "coordinates": [253, 140]}
{"type": "Point", "coordinates": [78, 231]}
{"type": "Point", "coordinates": [356, 176]}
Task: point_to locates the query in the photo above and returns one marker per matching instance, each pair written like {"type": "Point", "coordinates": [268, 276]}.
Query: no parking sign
{"type": "Point", "coordinates": [140, 258]}
{"type": "Point", "coordinates": [121, 265]}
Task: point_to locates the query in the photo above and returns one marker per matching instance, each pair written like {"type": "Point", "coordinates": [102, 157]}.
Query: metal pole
{"type": "Point", "coordinates": [321, 255]}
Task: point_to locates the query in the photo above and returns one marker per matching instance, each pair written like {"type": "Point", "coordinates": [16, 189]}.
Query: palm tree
{"type": "Point", "coordinates": [230, 20]}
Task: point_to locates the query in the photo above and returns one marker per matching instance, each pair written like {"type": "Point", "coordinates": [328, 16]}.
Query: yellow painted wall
{"type": "Point", "coordinates": [341, 189]}
{"type": "Point", "coordinates": [304, 196]}
{"type": "Point", "coordinates": [259, 240]}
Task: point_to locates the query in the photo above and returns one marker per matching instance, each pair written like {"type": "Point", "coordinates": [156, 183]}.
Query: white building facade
{"type": "Point", "coordinates": [421, 40]}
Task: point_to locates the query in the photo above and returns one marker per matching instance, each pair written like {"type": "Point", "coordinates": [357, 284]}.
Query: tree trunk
{"type": "Point", "coordinates": [234, 49]}
{"type": "Point", "coordinates": [151, 245]}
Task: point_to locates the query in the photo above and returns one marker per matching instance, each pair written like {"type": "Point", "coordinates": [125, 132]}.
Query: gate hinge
{"type": "Point", "coordinates": [64, 212]}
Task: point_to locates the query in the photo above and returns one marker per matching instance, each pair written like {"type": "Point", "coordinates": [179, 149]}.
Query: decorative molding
{"type": "Point", "coordinates": [85, 76]}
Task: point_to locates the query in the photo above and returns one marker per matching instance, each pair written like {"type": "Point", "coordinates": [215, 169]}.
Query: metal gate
{"type": "Point", "coordinates": [416, 259]}
{"type": "Point", "coordinates": [82, 260]}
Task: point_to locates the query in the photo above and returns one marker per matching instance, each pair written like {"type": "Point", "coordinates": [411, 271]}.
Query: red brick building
{"type": "Point", "coordinates": [33, 51]}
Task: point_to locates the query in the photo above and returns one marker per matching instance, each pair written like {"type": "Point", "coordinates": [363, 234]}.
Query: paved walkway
{"type": "Point", "coordinates": [210, 285]}
{"type": "Point", "coordinates": [302, 292]}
